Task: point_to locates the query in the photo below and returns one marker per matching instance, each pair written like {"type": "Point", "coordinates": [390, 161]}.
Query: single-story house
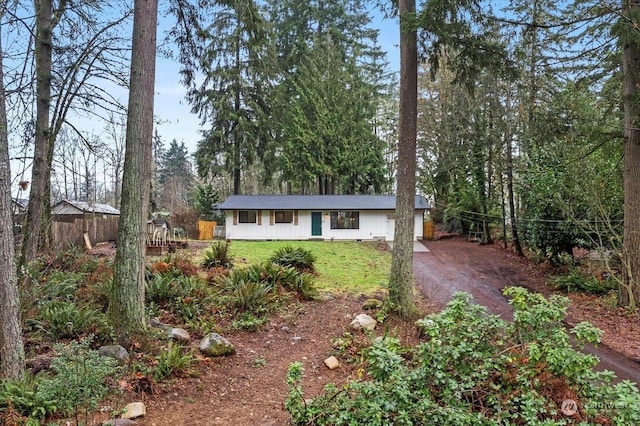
{"type": "Point", "coordinates": [328, 217]}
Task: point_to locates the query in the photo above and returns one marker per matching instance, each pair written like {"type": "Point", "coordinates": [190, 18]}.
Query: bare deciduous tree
{"type": "Point", "coordinates": [11, 345]}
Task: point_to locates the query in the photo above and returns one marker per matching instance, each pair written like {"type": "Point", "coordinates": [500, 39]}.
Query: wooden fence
{"type": "Point", "coordinates": [71, 232]}
{"type": "Point", "coordinates": [206, 229]}
{"type": "Point", "coordinates": [428, 231]}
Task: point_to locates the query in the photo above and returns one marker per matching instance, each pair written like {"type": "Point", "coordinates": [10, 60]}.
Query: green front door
{"type": "Point", "coordinates": [316, 224]}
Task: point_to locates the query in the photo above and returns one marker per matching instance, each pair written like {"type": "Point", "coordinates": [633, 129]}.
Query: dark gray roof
{"type": "Point", "coordinates": [315, 202]}
{"type": "Point", "coordinates": [23, 202]}
{"type": "Point", "coordinates": [84, 206]}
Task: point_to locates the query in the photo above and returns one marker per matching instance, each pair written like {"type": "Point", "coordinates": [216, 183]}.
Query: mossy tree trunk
{"type": "Point", "coordinates": [36, 230]}
{"type": "Point", "coordinates": [126, 305]}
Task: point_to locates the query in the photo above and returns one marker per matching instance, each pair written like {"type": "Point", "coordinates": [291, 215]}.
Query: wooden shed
{"type": "Point", "coordinates": [83, 224]}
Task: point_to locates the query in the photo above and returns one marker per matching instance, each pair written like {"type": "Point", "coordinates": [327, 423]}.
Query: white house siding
{"type": "Point", "coordinates": [373, 224]}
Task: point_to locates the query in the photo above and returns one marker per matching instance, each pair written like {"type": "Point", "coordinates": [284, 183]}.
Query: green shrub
{"type": "Point", "coordinates": [80, 379]}
{"type": "Point", "coordinates": [250, 287]}
{"type": "Point", "coordinates": [166, 288]}
{"type": "Point", "coordinates": [161, 289]}
{"type": "Point", "coordinates": [304, 285]}
{"type": "Point", "coordinates": [99, 292]}
{"type": "Point", "coordinates": [577, 282]}
{"type": "Point", "coordinates": [188, 308]}
{"type": "Point", "coordinates": [291, 279]}
{"type": "Point", "coordinates": [218, 256]}
{"type": "Point", "coordinates": [77, 383]}
{"type": "Point", "coordinates": [299, 258]}
{"type": "Point", "coordinates": [60, 285]}
{"type": "Point", "coordinates": [185, 296]}
{"type": "Point", "coordinates": [473, 368]}
{"type": "Point", "coordinates": [248, 321]}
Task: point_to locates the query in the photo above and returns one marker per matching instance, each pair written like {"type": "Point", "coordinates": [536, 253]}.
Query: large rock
{"type": "Point", "coordinates": [179, 335]}
{"type": "Point", "coordinates": [332, 362]}
{"type": "Point", "coordinates": [371, 304]}
{"type": "Point", "coordinates": [114, 351]}
{"type": "Point", "coordinates": [216, 345]}
{"type": "Point", "coordinates": [363, 322]}
{"type": "Point", "coordinates": [134, 410]}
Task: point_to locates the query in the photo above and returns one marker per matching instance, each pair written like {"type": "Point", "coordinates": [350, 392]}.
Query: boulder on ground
{"type": "Point", "coordinates": [332, 363]}
{"type": "Point", "coordinates": [371, 304]}
{"type": "Point", "coordinates": [116, 352]}
{"type": "Point", "coordinates": [363, 322]}
{"type": "Point", "coordinates": [179, 335]}
{"type": "Point", "coordinates": [215, 345]}
{"type": "Point", "coordinates": [134, 410]}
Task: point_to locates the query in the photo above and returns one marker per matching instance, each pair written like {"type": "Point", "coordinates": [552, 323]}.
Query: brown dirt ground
{"type": "Point", "coordinates": [249, 388]}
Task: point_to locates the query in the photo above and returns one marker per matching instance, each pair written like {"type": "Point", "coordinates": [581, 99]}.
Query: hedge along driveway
{"type": "Point", "coordinates": [455, 265]}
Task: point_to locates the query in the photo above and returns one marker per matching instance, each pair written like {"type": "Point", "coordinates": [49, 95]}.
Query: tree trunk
{"type": "Point", "coordinates": [126, 305]}
{"type": "Point", "coordinates": [35, 227]}
{"type": "Point", "coordinates": [512, 204]}
{"type": "Point", "coordinates": [11, 346]}
{"type": "Point", "coordinates": [401, 277]}
{"type": "Point", "coordinates": [629, 294]}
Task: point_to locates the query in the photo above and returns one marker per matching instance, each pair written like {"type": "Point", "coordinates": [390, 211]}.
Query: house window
{"type": "Point", "coordinates": [247, 216]}
{"type": "Point", "coordinates": [345, 220]}
{"type": "Point", "coordinates": [283, 216]}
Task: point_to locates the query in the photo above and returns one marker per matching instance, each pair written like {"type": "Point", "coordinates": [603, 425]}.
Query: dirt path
{"type": "Point", "coordinates": [455, 264]}
{"type": "Point", "coordinates": [249, 388]}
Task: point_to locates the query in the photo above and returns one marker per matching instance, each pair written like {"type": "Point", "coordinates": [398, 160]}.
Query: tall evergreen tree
{"type": "Point", "coordinates": [36, 233]}
{"type": "Point", "coordinates": [630, 40]}
{"type": "Point", "coordinates": [331, 76]}
{"type": "Point", "coordinates": [205, 203]}
{"type": "Point", "coordinates": [328, 142]}
{"type": "Point", "coordinates": [227, 69]}
{"type": "Point", "coordinates": [126, 303]}
{"type": "Point", "coordinates": [401, 276]}
{"type": "Point", "coordinates": [176, 180]}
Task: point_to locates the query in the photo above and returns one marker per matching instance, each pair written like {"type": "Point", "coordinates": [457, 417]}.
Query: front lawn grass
{"type": "Point", "coordinates": [352, 267]}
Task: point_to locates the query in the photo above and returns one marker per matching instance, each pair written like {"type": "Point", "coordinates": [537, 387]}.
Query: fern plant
{"type": "Point", "coordinates": [176, 360]}
{"type": "Point", "coordinates": [217, 256]}
{"type": "Point", "coordinates": [298, 258]}
{"type": "Point", "coordinates": [63, 319]}
{"type": "Point", "coordinates": [247, 293]}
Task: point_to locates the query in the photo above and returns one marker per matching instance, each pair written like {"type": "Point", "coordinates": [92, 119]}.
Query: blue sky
{"type": "Point", "coordinates": [177, 121]}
